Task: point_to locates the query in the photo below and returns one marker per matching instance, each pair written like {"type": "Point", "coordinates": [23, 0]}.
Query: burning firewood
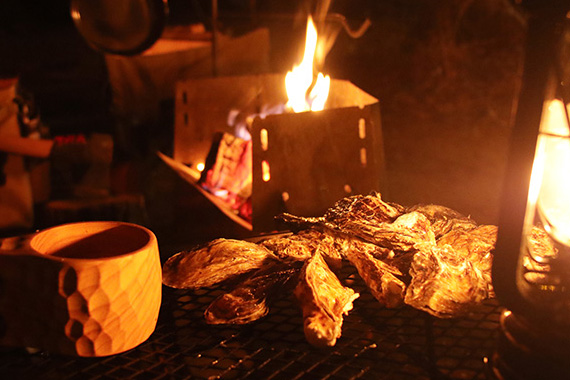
{"type": "Point", "coordinates": [427, 256]}
{"type": "Point", "coordinates": [228, 172]}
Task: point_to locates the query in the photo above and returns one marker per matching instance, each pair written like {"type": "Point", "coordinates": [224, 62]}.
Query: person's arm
{"type": "Point", "coordinates": [26, 146]}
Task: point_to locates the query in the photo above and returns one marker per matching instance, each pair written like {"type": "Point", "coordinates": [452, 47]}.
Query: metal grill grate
{"type": "Point", "coordinates": [376, 343]}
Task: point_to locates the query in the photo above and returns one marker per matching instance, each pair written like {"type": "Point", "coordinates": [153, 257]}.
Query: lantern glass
{"type": "Point", "coordinates": [544, 271]}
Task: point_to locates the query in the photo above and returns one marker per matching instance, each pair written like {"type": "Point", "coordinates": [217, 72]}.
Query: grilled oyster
{"type": "Point", "coordinates": [443, 219]}
{"type": "Point", "coordinates": [406, 231]}
{"type": "Point", "coordinates": [427, 256]}
{"type": "Point", "coordinates": [358, 208]}
{"type": "Point", "coordinates": [449, 278]}
{"type": "Point", "coordinates": [249, 301]}
{"type": "Point", "coordinates": [292, 247]}
{"type": "Point", "coordinates": [383, 280]}
{"type": "Point", "coordinates": [474, 245]}
{"type": "Point", "coordinates": [324, 301]}
{"type": "Point", "coordinates": [370, 219]}
{"type": "Point", "coordinates": [303, 245]}
{"type": "Point", "coordinates": [216, 262]}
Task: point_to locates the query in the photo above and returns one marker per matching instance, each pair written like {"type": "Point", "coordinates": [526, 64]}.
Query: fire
{"type": "Point", "coordinates": [550, 183]}
{"type": "Point", "coordinates": [305, 91]}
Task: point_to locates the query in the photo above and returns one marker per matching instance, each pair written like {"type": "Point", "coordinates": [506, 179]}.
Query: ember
{"type": "Point", "coordinates": [228, 176]}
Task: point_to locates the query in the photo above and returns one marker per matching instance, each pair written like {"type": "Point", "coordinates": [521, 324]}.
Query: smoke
{"type": "Point", "coordinates": [329, 25]}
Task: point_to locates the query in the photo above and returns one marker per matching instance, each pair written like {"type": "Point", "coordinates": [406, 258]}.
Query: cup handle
{"type": "Point", "coordinates": [16, 245]}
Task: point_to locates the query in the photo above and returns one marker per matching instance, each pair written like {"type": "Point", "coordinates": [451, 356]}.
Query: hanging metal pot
{"type": "Point", "coordinates": [124, 27]}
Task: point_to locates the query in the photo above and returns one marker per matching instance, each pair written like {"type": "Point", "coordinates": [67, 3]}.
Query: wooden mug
{"type": "Point", "coordinates": [86, 289]}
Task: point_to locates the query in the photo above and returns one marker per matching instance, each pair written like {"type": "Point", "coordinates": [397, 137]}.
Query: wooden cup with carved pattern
{"type": "Point", "coordinates": [87, 289]}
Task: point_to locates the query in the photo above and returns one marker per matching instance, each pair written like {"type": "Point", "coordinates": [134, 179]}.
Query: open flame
{"type": "Point", "coordinates": [305, 91]}
{"type": "Point", "coordinates": [550, 183]}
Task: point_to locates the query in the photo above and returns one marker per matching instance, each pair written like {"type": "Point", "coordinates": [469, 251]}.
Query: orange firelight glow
{"type": "Point", "coordinates": [305, 91]}
{"type": "Point", "coordinates": [550, 182]}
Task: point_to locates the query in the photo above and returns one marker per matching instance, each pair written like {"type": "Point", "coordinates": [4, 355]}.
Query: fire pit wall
{"type": "Point", "coordinates": [312, 159]}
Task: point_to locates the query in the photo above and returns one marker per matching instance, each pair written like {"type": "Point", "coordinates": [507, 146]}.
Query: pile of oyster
{"type": "Point", "coordinates": [427, 256]}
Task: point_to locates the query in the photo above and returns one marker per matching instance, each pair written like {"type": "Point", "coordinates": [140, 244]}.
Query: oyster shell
{"type": "Point", "coordinates": [383, 280]}
{"type": "Point", "coordinates": [218, 261]}
{"type": "Point", "coordinates": [443, 219]}
{"type": "Point", "coordinates": [427, 256]}
{"type": "Point", "coordinates": [324, 301]}
{"type": "Point", "coordinates": [249, 301]}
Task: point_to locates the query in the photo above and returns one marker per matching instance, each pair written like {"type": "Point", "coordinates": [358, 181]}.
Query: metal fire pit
{"type": "Point", "coordinates": [376, 343]}
{"type": "Point", "coordinates": [314, 158]}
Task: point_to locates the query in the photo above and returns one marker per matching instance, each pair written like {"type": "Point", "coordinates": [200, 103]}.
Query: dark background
{"type": "Point", "coordinates": [446, 75]}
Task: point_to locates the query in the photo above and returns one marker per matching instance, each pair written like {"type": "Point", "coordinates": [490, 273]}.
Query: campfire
{"type": "Point", "coordinates": [260, 145]}
{"type": "Point", "coordinates": [305, 91]}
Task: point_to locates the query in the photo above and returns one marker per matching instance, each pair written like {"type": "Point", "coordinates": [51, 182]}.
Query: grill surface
{"type": "Point", "coordinates": [376, 343]}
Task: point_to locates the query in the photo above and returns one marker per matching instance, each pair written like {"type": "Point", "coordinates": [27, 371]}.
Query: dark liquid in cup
{"type": "Point", "coordinates": [115, 241]}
